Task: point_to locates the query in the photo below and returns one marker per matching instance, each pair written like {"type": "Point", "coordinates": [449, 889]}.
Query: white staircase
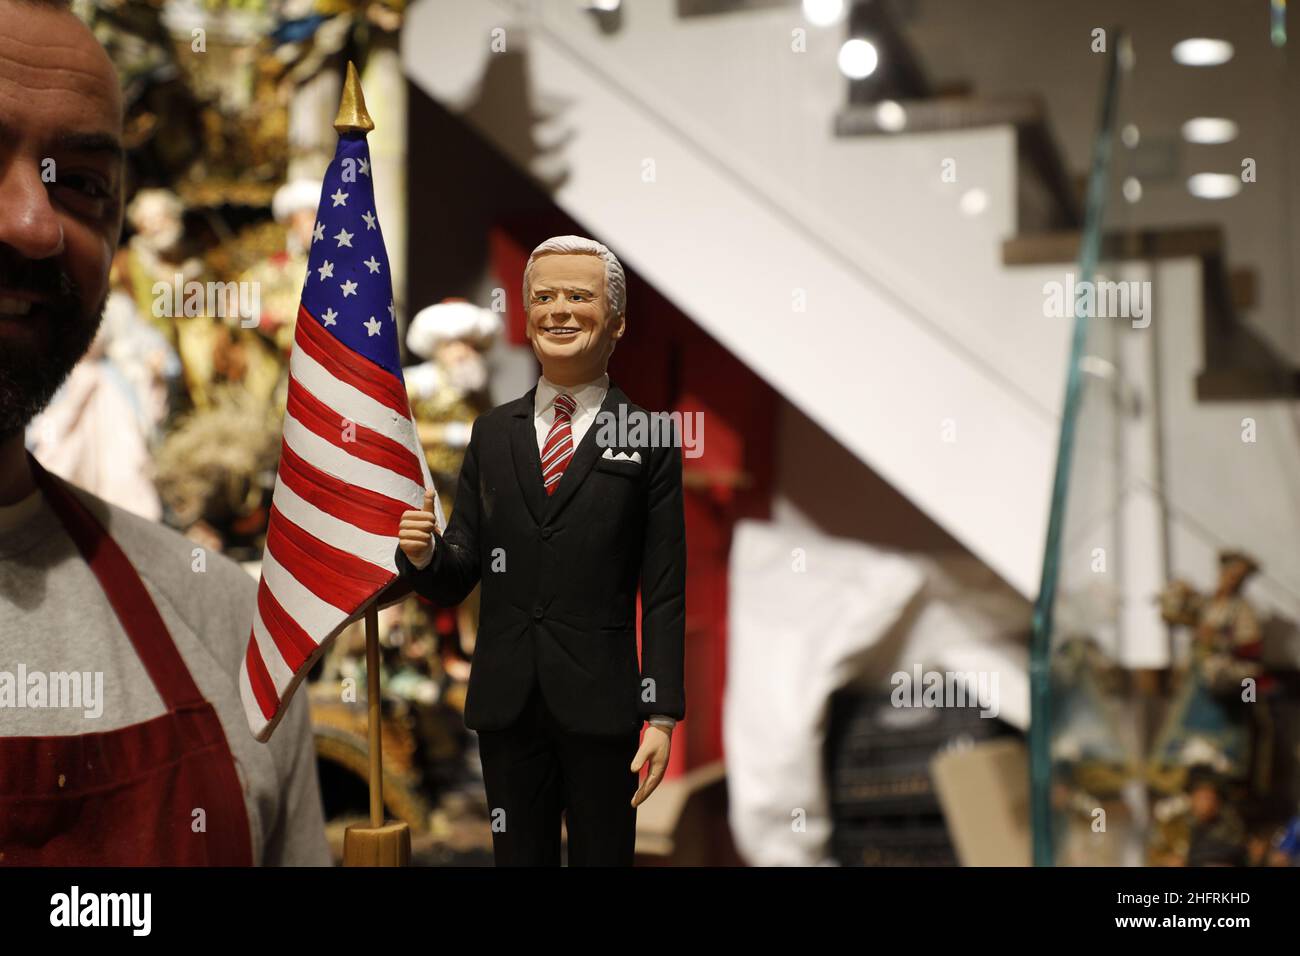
{"type": "Point", "coordinates": [851, 273]}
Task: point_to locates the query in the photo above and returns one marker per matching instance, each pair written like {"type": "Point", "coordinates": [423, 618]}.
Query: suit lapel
{"type": "Point", "coordinates": [583, 459]}
{"type": "Point", "coordinates": [528, 464]}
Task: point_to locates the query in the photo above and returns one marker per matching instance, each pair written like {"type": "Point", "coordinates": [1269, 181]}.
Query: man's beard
{"type": "Point", "coordinates": [33, 367]}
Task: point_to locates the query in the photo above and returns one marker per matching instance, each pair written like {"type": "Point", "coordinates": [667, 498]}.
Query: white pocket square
{"type": "Point", "coordinates": [621, 456]}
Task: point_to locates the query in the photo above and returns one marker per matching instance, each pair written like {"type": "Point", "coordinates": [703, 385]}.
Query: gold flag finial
{"type": "Point", "coordinates": [352, 117]}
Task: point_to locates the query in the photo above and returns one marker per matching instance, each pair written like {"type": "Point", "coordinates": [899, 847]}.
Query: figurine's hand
{"type": "Point", "coordinates": [415, 533]}
{"type": "Point", "coordinates": [655, 747]}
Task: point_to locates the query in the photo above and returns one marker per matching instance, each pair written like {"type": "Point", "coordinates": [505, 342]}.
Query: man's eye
{"type": "Point", "coordinates": [85, 196]}
{"type": "Point", "coordinates": [87, 185]}
{"type": "Point", "coordinates": [577, 297]}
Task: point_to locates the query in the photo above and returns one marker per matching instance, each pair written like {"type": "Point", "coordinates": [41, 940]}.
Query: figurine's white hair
{"type": "Point", "coordinates": [615, 281]}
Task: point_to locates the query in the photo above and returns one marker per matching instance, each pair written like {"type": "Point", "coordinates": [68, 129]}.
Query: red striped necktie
{"type": "Point", "coordinates": [557, 452]}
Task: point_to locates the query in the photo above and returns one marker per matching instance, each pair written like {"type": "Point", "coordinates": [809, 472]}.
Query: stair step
{"type": "Point", "coordinates": [1240, 366]}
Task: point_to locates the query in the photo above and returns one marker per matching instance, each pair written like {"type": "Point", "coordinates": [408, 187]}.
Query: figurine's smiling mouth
{"type": "Point", "coordinates": [560, 331]}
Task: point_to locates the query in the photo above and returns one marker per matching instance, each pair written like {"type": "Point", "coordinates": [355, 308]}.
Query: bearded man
{"type": "Point", "coordinates": [122, 735]}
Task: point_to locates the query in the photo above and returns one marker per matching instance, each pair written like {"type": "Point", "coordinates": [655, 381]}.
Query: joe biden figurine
{"type": "Point", "coordinates": [570, 500]}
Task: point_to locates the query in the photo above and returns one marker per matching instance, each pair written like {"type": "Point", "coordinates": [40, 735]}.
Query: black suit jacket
{"type": "Point", "coordinates": [560, 575]}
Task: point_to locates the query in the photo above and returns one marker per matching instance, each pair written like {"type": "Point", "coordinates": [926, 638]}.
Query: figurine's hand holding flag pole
{"type": "Point", "coordinates": [350, 465]}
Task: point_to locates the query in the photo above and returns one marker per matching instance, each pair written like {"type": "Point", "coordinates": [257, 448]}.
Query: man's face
{"type": "Point", "coordinates": [569, 321]}
{"type": "Point", "coordinates": [61, 168]}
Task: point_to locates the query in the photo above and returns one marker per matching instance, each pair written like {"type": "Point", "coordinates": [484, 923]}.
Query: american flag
{"type": "Point", "coordinates": [350, 461]}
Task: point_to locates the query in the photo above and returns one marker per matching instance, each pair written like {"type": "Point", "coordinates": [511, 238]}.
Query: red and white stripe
{"type": "Point", "coordinates": [557, 450]}
{"type": "Point", "coordinates": [350, 464]}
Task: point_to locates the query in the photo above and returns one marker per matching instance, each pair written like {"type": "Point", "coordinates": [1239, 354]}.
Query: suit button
{"type": "Point", "coordinates": [537, 613]}
{"type": "Point", "coordinates": [546, 534]}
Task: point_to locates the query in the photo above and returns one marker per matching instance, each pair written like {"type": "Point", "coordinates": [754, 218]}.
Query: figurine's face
{"type": "Point", "coordinates": [462, 363]}
{"type": "Point", "coordinates": [157, 221]}
{"type": "Point", "coordinates": [1204, 803]}
{"type": "Point", "coordinates": [569, 321]}
{"type": "Point", "coordinates": [1234, 574]}
{"type": "Point", "coordinates": [301, 223]}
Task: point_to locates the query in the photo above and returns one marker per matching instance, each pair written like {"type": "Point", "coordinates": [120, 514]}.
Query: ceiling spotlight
{"type": "Point", "coordinates": [603, 6]}
{"type": "Point", "coordinates": [1130, 135]}
{"type": "Point", "coordinates": [974, 201]}
{"type": "Point", "coordinates": [822, 13]}
{"type": "Point", "coordinates": [858, 59]}
{"type": "Point", "coordinates": [890, 116]}
{"type": "Point", "coordinates": [1202, 52]}
{"type": "Point", "coordinates": [1132, 189]}
{"type": "Point", "coordinates": [1209, 130]}
{"type": "Point", "coordinates": [1214, 185]}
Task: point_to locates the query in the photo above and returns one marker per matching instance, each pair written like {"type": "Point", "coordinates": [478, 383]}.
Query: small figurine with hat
{"type": "Point", "coordinates": [280, 276]}
{"type": "Point", "coordinates": [1227, 640]}
{"type": "Point", "coordinates": [448, 390]}
{"type": "Point", "coordinates": [1218, 836]}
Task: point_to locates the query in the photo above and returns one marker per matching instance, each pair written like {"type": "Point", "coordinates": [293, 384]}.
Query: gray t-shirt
{"type": "Point", "coordinates": [55, 619]}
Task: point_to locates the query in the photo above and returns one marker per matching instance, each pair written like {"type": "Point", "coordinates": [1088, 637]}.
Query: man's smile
{"type": "Point", "coordinates": [23, 312]}
{"type": "Point", "coordinates": [16, 303]}
{"type": "Point", "coordinates": [14, 308]}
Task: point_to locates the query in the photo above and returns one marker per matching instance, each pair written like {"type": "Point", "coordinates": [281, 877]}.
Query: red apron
{"type": "Point", "coordinates": [125, 797]}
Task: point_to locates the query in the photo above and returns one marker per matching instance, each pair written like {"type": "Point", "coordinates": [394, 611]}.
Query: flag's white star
{"type": "Point", "coordinates": [372, 327]}
{"type": "Point", "coordinates": [345, 238]}
{"type": "Point", "coordinates": [372, 264]}
{"type": "Point", "coordinates": [365, 167]}
{"type": "Point", "coordinates": [330, 317]}
{"type": "Point", "coordinates": [392, 312]}
{"type": "Point", "coordinates": [326, 271]}
{"type": "Point", "coordinates": [349, 288]}
{"type": "Point", "coordinates": [369, 217]}
{"type": "Point", "coordinates": [340, 197]}
{"type": "Point", "coordinates": [318, 231]}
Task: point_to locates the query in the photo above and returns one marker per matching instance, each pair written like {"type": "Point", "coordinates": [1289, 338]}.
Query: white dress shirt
{"type": "Point", "coordinates": [588, 398]}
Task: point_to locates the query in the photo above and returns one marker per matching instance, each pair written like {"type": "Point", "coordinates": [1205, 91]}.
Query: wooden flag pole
{"type": "Point", "coordinates": [380, 844]}
{"type": "Point", "coordinates": [374, 718]}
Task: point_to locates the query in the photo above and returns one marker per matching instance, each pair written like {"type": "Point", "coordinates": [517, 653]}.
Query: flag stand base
{"type": "Point", "coordinates": [388, 845]}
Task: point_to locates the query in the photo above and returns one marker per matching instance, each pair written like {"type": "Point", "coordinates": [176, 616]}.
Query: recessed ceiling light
{"type": "Point", "coordinates": [1214, 185]}
{"type": "Point", "coordinates": [1202, 51]}
{"type": "Point", "coordinates": [858, 59]}
{"type": "Point", "coordinates": [890, 116]}
{"type": "Point", "coordinates": [822, 13]}
{"type": "Point", "coordinates": [974, 201]}
{"type": "Point", "coordinates": [1209, 130]}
